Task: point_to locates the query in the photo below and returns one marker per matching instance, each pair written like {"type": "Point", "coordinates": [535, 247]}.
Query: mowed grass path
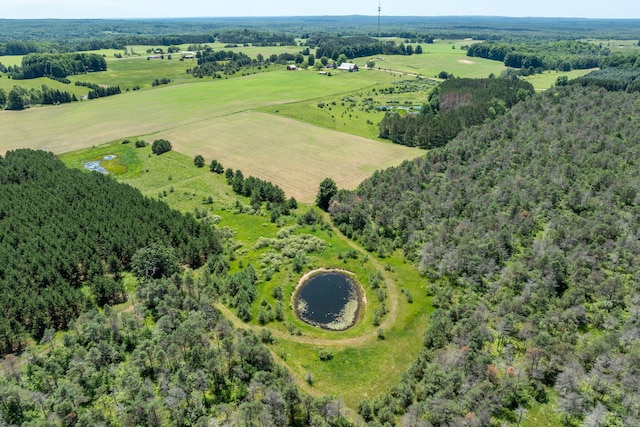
{"type": "Point", "coordinates": [213, 118]}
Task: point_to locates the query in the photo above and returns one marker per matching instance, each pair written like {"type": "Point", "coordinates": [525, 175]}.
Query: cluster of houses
{"type": "Point", "coordinates": [159, 54]}
{"type": "Point", "coordinates": [345, 66]}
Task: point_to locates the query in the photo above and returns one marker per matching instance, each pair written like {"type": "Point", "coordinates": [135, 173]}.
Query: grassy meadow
{"type": "Point", "coordinates": [547, 79]}
{"type": "Point", "coordinates": [442, 55]}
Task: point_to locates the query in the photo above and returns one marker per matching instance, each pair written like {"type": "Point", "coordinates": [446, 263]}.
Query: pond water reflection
{"type": "Point", "coordinates": [329, 300]}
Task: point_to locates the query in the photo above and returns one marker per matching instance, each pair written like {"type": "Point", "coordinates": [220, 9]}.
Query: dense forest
{"type": "Point", "coordinates": [192, 368]}
{"type": "Point", "coordinates": [62, 230]}
{"type": "Point", "coordinates": [618, 78]}
{"type": "Point", "coordinates": [19, 36]}
{"type": "Point", "coordinates": [455, 104]}
{"type": "Point", "coordinates": [528, 227]}
{"type": "Point", "coordinates": [60, 35]}
{"type": "Point", "coordinates": [561, 55]}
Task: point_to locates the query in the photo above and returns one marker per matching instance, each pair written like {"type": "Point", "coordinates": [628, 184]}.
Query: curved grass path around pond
{"type": "Point", "coordinates": [370, 335]}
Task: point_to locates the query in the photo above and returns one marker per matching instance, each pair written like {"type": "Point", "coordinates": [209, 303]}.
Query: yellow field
{"type": "Point", "coordinates": [294, 155]}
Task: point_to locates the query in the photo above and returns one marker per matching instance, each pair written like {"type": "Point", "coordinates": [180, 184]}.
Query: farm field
{"type": "Point", "coordinates": [294, 155]}
{"type": "Point", "coordinates": [132, 71]}
{"type": "Point", "coordinates": [443, 55]}
{"type": "Point", "coordinates": [202, 117]}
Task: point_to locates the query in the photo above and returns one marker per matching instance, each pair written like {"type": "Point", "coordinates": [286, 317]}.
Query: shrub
{"type": "Point", "coordinates": [325, 355]}
{"type": "Point", "coordinates": [160, 146]}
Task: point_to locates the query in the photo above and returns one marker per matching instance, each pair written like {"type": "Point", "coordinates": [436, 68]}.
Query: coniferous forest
{"type": "Point", "coordinates": [63, 229]}
{"type": "Point", "coordinates": [68, 238]}
{"type": "Point", "coordinates": [530, 224]}
{"type": "Point", "coordinates": [452, 106]}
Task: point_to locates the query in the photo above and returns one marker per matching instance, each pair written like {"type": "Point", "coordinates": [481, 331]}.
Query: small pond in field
{"type": "Point", "coordinates": [329, 300]}
{"type": "Point", "coordinates": [96, 165]}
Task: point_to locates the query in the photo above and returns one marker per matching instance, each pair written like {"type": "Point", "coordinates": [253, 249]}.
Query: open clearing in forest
{"type": "Point", "coordinates": [439, 56]}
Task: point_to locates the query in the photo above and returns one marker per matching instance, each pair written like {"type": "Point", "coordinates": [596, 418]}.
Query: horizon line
{"type": "Point", "coordinates": [315, 16]}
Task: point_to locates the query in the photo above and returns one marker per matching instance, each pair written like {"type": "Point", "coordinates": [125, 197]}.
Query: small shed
{"type": "Point", "coordinates": [348, 66]}
{"type": "Point", "coordinates": [291, 67]}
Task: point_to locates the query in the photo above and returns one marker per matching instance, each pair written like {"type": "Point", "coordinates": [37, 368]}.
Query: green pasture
{"type": "Point", "coordinates": [132, 71]}
{"type": "Point", "coordinates": [356, 113]}
{"type": "Point", "coordinates": [335, 117]}
{"type": "Point", "coordinates": [11, 60]}
{"type": "Point", "coordinates": [363, 365]}
{"type": "Point", "coordinates": [617, 46]}
{"type": "Point", "coordinates": [443, 55]}
{"type": "Point", "coordinates": [7, 84]}
{"type": "Point", "coordinates": [547, 79]}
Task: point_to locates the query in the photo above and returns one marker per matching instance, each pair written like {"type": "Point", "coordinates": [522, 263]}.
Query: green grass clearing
{"type": "Point", "coordinates": [547, 79]}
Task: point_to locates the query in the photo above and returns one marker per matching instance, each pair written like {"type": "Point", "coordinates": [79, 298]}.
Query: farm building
{"type": "Point", "coordinates": [348, 66]}
{"type": "Point", "coordinates": [291, 67]}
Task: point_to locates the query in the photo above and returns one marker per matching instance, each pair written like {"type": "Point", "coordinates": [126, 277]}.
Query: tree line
{"type": "Point", "coordinates": [331, 46]}
{"type": "Point", "coordinates": [454, 105]}
{"type": "Point", "coordinates": [214, 63]}
{"type": "Point", "coordinates": [614, 79]}
{"type": "Point", "coordinates": [20, 98]}
{"type": "Point", "coordinates": [98, 91]}
{"type": "Point", "coordinates": [561, 55]}
{"type": "Point", "coordinates": [36, 65]}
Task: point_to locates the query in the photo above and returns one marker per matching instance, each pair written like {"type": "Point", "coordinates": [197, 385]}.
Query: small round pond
{"type": "Point", "coordinates": [329, 300]}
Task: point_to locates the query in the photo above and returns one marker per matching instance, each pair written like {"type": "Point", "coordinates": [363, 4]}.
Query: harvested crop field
{"type": "Point", "coordinates": [294, 155]}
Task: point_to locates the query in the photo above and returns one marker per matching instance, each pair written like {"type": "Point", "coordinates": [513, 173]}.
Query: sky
{"type": "Point", "coordinates": [35, 9]}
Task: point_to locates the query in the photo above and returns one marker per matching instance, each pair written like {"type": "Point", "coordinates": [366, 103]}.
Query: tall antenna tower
{"type": "Point", "coordinates": [379, 10]}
